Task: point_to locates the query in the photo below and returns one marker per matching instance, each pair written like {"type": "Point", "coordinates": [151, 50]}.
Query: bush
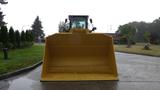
{"type": "Point", "coordinates": [7, 45]}
{"type": "Point", "coordinates": [22, 44]}
{"type": "Point", "coordinates": [43, 40]}
{"type": "Point", "coordinates": [156, 42]}
{"type": "Point", "coordinates": [10, 45]}
{"type": "Point", "coordinates": [147, 46]}
{"type": "Point", "coordinates": [123, 41]}
{"type": "Point", "coordinates": [29, 44]}
{"type": "Point", "coordinates": [26, 44]}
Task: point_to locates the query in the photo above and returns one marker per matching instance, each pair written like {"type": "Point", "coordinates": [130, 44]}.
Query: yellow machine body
{"type": "Point", "coordinates": [79, 55]}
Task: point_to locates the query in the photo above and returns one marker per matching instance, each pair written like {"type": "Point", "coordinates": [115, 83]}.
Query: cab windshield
{"type": "Point", "coordinates": [78, 24]}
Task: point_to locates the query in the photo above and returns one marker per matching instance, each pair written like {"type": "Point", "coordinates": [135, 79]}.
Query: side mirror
{"type": "Point", "coordinates": [91, 21]}
{"type": "Point", "coordinates": [94, 28]}
{"type": "Point", "coordinates": [65, 20]}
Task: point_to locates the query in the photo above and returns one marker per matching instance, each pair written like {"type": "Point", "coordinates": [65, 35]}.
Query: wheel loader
{"type": "Point", "coordinates": [77, 53]}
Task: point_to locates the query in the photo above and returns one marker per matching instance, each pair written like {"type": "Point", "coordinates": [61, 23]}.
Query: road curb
{"type": "Point", "coordinates": [137, 53]}
{"type": "Point", "coordinates": [14, 73]}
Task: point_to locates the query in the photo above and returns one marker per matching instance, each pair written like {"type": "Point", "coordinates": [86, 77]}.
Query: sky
{"type": "Point", "coordinates": [107, 15]}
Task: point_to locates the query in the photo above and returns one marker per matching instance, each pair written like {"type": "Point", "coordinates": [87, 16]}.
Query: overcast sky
{"type": "Point", "coordinates": [107, 15]}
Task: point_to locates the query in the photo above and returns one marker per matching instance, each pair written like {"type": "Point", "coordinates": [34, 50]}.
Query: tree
{"type": "Point", "coordinates": [63, 27]}
{"type": "Point", "coordinates": [153, 28]}
{"type": "Point", "coordinates": [128, 32]}
{"type": "Point", "coordinates": [23, 36]}
{"type": "Point", "coordinates": [37, 29]}
{"type": "Point", "coordinates": [3, 2]}
{"type": "Point", "coordinates": [29, 36]}
{"type": "Point", "coordinates": [141, 28]}
{"type": "Point", "coordinates": [0, 36]}
{"type": "Point", "coordinates": [12, 36]}
{"type": "Point", "coordinates": [146, 36]}
{"type": "Point", "coordinates": [154, 38]}
{"type": "Point", "coordinates": [4, 36]}
{"type": "Point", "coordinates": [23, 39]}
{"type": "Point", "coordinates": [155, 31]}
{"type": "Point", "coordinates": [2, 23]}
{"type": "Point", "coordinates": [17, 38]}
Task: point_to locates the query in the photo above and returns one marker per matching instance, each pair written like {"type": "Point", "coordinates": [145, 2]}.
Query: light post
{"type": "Point", "coordinates": [5, 53]}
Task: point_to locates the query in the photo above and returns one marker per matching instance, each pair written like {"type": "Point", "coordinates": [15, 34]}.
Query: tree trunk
{"type": "Point", "coordinates": [128, 43]}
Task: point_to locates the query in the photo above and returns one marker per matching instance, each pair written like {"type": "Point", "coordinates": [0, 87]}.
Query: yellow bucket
{"type": "Point", "coordinates": [79, 55]}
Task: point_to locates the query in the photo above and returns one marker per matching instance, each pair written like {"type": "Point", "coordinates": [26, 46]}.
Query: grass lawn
{"type": "Point", "coordinates": [138, 49]}
{"type": "Point", "coordinates": [20, 58]}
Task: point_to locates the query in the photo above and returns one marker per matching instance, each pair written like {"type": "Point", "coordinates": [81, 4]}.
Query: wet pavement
{"type": "Point", "coordinates": [136, 72]}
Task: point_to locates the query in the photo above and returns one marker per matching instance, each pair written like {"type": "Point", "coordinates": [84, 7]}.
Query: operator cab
{"type": "Point", "coordinates": [78, 22]}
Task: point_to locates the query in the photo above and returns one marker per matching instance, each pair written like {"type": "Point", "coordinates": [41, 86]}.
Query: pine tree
{"type": "Point", "coordinates": [17, 38]}
{"type": "Point", "coordinates": [12, 36]}
{"type": "Point", "coordinates": [23, 39]}
{"type": "Point", "coordinates": [2, 23]}
{"type": "Point", "coordinates": [23, 36]}
{"type": "Point", "coordinates": [0, 36]}
{"type": "Point", "coordinates": [31, 35]}
{"type": "Point", "coordinates": [0, 40]}
{"type": "Point", "coordinates": [4, 36]}
{"type": "Point", "coordinates": [27, 35]}
{"type": "Point", "coordinates": [37, 29]}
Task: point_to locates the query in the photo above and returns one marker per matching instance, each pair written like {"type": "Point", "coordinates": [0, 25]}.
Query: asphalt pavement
{"type": "Point", "coordinates": [136, 72]}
